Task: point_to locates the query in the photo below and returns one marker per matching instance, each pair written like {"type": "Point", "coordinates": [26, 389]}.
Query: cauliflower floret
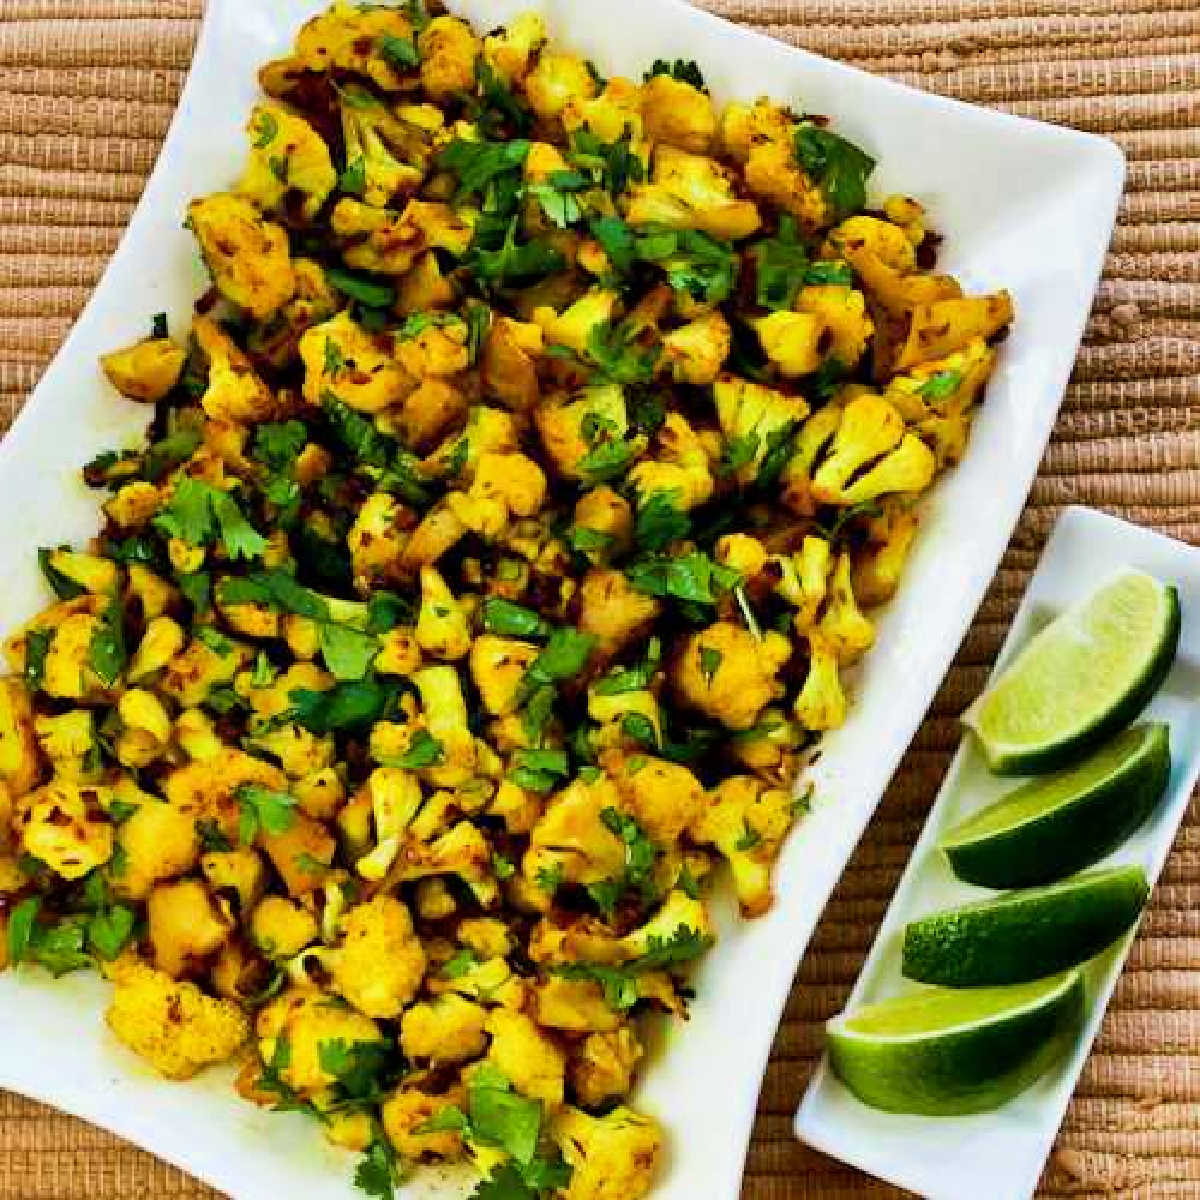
{"type": "Point", "coordinates": [696, 351]}
{"type": "Point", "coordinates": [792, 341]}
{"type": "Point", "coordinates": [845, 326]}
{"type": "Point", "coordinates": [281, 928]}
{"type": "Point", "coordinates": [340, 357]}
{"type": "Point", "coordinates": [349, 37]}
{"type": "Point", "coordinates": [308, 1019]}
{"type": "Point", "coordinates": [814, 437]}
{"type": "Point", "coordinates": [173, 1025]}
{"type": "Point", "coordinates": [19, 765]}
{"type": "Point", "coordinates": [407, 1112]}
{"type": "Point", "coordinates": [497, 666]}
{"type": "Point", "coordinates": [391, 153]}
{"type": "Point", "coordinates": [745, 126]}
{"type": "Point", "coordinates": [448, 51]}
{"type": "Point", "coordinates": [749, 410]}
{"type": "Point", "coordinates": [286, 153]}
{"type": "Point", "coordinates": [575, 1005]}
{"type": "Point", "coordinates": [157, 842]}
{"type": "Point", "coordinates": [572, 836]}
{"type": "Point", "coordinates": [681, 467]}
{"type": "Point", "coordinates": [247, 255]}
{"type": "Point", "coordinates": [690, 191]}
{"type": "Point", "coordinates": [556, 81]}
{"type": "Point", "coordinates": [724, 672]}
{"type": "Point", "coordinates": [67, 741]}
{"type": "Point", "coordinates": [613, 611]}
{"type": "Point", "coordinates": [301, 854]}
{"type": "Point", "coordinates": [444, 710]}
{"type": "Point", "coordinates": [566, 429]}
{"type": "Point", "coordinates": [771, 171]}
{"type": "Point", "coordinates": [944, 326]}
{"type": "Point", "coordinates": [678, 114]}
{"type": "Point", "coordinates": [875, 574]}
{"type": "Point", "coordinates": [747, 820]}
{"type": "Point", "coordinates": [574, 325]}
{"type": "Point", "coordinates": [602, 1066]}
{"type": "Point", "coordinates": [234, 392]}
{"type": "Point", "coordinates": [185, 926]}
{"type": "Point", "coordinates": [376, 540]}
{"type": "Point", "coordinates": [843, 625]}
{"type": "Point", "coordinates": [204, 789]}
{"type": "Point", "coordinates": [613, 1157]}
{"type": "Point", "coordinates": [448, 1029]}
{"type": "Point", "coordinates": [162, 640]}
{"type": "Point", "coordinates": [145, 371]}
{"type": "Point", "coordinates": [66, 673]}
{"type": "Point", "coordinates": [381, 962]}
{"type": "Point", "coordinates": [132, 505]}
{"type": "Point", "coordinates": [425, 288]}
{"type": "Point", "coordinates": [508, 51]}
{"type": "Point", "coordinates": [526, 1056]}
{"type": "Point", "coordinates": [663, 797]}
{"type": "Point", "coordinates": [508, 366]}
{"type": "Point", "coordinates": [64, 825]}
{"type": "Point", "coordinates": [442, 630]}
{"type": "Point", "coordinates": [871, 435]}
{"type": "Point", "coordinates": [379, 239]}
{"type": "Point", "coordinates": [505, 486]}
{"type": "Point", "coordinates": [821, 703]}
{"type": "Point", "coordinates": [803, 579]}
{"type": "Point", "coordinates": [241, 872]}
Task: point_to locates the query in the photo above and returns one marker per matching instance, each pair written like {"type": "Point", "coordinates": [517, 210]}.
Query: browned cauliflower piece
{"type": "Point", "coordinates": [381, 962]}
{"type": "Point", "coordinates": [145, 371]}
{"type": "Point", "coordinates": [728, 674]}
{"type": "Point", "coordinates": [174, 1026]}
{"type": "Point", "coordinates": [614, 1157]}
{"type": "Point", "coordinates": [247, 255]}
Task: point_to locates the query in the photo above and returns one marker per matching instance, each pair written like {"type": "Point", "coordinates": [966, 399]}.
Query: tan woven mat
{"type": "Point", "coordinates": [86, 90]}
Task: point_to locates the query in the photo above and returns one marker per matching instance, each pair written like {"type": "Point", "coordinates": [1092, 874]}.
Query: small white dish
{"type": "Point", "coordinates": [1000, 1154]}
{"type": "Point", "coordinates": [1021, 205]}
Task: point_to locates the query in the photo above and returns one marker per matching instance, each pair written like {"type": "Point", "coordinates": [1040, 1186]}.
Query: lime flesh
{"type": "Point", "coordinates": [1083, 677]}
{"type": "Point", "coordinates": [1026, 934]}
{"type": "Point", "coordinates": [1059, 824]}
{"type": "Point", "coordinates": [948, 1053]}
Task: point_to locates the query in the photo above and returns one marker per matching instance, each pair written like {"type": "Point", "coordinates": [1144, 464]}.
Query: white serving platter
{"type": "Point", "coordinates": [1022, 205]}
{"type": "Point", "coordinates": [1002, 1153]}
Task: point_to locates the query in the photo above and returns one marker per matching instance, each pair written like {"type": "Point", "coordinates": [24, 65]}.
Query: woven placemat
{"type": "Point", "coordinates": [86, 90]}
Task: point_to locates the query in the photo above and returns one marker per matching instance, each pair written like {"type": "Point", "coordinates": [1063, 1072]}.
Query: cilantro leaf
{"type": "Point", "coordinates": [106, 653]}
{"type": "Point", "coordinates": [478, 163]}
{"type": "Point", "coordinates": [37, 646]}
{"type": "Point", "coordinates": [263, 809]}
{"type": "Point", "coordinates": [696, 263]}
{"type": "Point", "coordinates": [109, 930]}
{"type": "Point", "coordinates": [538, 770]}
{"type": "Point", "coordinates": [345, 706]}
{"type": "Point", "coordinates": [839, 167]}
{"type": "Point", "coordinates": [563, 657]}
{"type": "Point", "coordinates": [682, 70]}
{"type": "Point", "coordinates": [400, 53]}
{"type": "Point", "coordinates": [378, 1172]}
{"type": "Point", "coordinates": [941, 385]}
{"type": "Point", "coordinates": [618, 241]}
{"type": "Point", "coordinates": [348, 653]}
{"type": "Point", "coordinates": [201, 514]}
{"type": "Point", "coordinates": [513, 260]}
{"type": "Point", "coordinates": [690, 577]}
{"type": "Point", "coordinates": [369, 291]}
{"type": "Point", "coordinates": [21, 927]}
{"type": "Point", "coordinates": [660, 521]}
{"type": "Point", "coordinates": [507, 619]}
{"type": "Point", "coordinates": [780, 266]}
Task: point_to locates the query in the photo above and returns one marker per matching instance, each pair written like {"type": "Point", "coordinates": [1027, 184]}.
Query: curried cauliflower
{"type": "Point", "coordinates": [690, 191]}
{"type": "Point", "coordinates": [247, 255]}
{"type": "Point", "coordinates": [380, 963]}
{"type": "Point", "coordinates": [724, 672]}
{"type": "Point", "coordinates": [613, 1157]}
{"type": "Point", "coordinates": [175, 1026]}
{"type": "Point", "coordinates": [286, 154]}
{"type": "Point", "coordinates": [145, 371]}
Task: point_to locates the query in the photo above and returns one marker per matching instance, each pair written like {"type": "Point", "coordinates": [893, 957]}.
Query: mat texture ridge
{"type": "Point", "coordinates": [87, 88]}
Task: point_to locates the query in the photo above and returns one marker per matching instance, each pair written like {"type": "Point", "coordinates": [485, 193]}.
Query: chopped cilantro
{"type": "Point", "coordinates": [839, 167]}
{"type": "Point", "coordinates": [263, 809]}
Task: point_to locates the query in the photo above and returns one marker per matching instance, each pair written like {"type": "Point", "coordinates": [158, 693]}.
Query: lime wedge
{"type": "Point", "coordinates": [949, 1053]}
{"type": "Point", "coordinates": [1086, 675]}
{"type": "Point", "coordinates": [1059, 824]}
{"type": "Point", "coordinates": [1026, 934]}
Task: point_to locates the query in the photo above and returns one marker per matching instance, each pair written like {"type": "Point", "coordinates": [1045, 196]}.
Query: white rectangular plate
{"type": "Point", "coordinates": [946, 1158]}
{"type": "Point", "coordinates": [1024, 206]}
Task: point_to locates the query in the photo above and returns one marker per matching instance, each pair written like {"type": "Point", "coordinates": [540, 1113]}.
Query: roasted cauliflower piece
{"type": "Point", "coordinates": [174, 1026]}
{"type": "Point", "coordinates": [380, 962]}
{"type": "Point", "coordinates": [613, 1157]}
{"type": "Point", "coordinates": [724, 672]}
{"type": "Point", "coordinates": [690, 191]}
{"type": "Point", "coordinates": [145, 371]}
{"type": "Point", "coordinates": [247, 255]}
{"type": "Point", "coordinates": [286, 154]}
